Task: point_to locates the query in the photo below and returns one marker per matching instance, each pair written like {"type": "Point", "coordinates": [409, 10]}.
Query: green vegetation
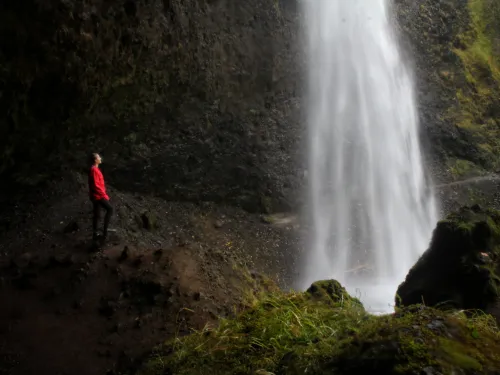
{"type": "Point", "coordinates": [478, 95]}
{"type": "Point", "coordinates": [476, 196]}
{"type": "Point", "coordinates": [461, 169]}
{"type": "Point", "coordinates": [484, 222]}
{"type": "Point", "coordinates": [325, 331]}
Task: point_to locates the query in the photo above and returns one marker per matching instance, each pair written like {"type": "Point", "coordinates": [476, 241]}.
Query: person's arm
{"type": "Point", "coordinates": [98, 183]}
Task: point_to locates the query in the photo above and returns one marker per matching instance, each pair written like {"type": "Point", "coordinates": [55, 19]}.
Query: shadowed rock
{"type": "Point", "coordinates": [461, 267]}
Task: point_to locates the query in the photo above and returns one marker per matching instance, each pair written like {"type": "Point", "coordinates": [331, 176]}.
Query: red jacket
{"type": "Point", "coordinates": [97, 189]}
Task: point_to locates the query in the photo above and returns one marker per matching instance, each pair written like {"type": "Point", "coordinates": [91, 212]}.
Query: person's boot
{"type": "Point", "coordinates": [95, 242]}
{"type": "Point", "coordinates": [105, 233]}
{"type": "Point", "coordinates": [104, 237]}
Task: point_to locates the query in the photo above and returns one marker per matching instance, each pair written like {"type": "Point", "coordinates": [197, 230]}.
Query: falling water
{"type": "Point", "coordinates": [371, 209]}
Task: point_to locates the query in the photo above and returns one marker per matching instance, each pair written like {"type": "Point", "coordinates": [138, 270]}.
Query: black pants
{"type": "Point", "coordinates": [97, 213]}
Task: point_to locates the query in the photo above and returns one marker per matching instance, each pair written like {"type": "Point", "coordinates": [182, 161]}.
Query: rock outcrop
{"type": "Point", "coordinates": [330, 292]}
{"type": "Point", "coordinates": [455, 47]}
{"type": "Point", "coordinates": [461, 268]}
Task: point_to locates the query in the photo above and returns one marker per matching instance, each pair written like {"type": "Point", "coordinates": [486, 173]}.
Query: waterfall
{"type": "Point", "coordinates": [371, 210]}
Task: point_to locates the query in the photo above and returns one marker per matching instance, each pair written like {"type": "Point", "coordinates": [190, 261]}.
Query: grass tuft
{"type": "Point", "coordinates": [299, 333]}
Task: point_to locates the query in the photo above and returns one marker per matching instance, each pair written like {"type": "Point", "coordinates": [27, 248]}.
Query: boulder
{"type": "Point", "coordinates": [147, 220]}
{"type": "Point", "coordinates": [330, 292]}
{"type": "Point", "coordinates": [461, 268]}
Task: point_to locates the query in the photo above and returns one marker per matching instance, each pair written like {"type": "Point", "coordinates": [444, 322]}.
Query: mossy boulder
{"type": "Point", "coordinates": [461, 268]}
{"type": "Point", "coordinates": [330, 292]}
{"type": "Point", "coordinates": [324, 331]}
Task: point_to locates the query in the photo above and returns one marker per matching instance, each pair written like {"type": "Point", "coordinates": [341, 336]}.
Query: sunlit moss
{"type": "Point", "coordinates": [479, 99]}
{"type": "Point", "coordinates": [460, 168]}
{"type": "Point", "coordinates": [330, 333]}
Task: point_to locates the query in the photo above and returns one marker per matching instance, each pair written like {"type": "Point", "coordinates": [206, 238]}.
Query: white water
{"type": "Point", "coordinates": [369, 200]}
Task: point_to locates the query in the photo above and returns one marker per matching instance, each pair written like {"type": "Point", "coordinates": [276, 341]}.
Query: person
{"type": "Point", "coordinates": [98, 196]}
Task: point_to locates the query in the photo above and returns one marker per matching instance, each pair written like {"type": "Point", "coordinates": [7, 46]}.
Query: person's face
{"type": "Point", "coordinates": [98, 159]}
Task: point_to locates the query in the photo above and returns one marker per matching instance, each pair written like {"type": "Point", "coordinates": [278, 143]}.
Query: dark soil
{"type": "Point", "coordinates": [68, 308]}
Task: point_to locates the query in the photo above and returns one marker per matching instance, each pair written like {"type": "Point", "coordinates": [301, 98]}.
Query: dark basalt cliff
{"type": "Point", "coordinates": [455, 47]}
{"type": "Point", "coordinates": [190, 100]}
{"type": "Point", "coordinates": [200, 100]}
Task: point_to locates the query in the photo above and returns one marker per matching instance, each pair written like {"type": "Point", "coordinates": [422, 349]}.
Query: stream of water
{"type": "Point", "coordinates": [371, 209]}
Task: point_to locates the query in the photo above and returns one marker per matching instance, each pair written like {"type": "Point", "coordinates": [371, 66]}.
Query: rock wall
{"type": "Point", "coordinates": [200, 100]}
{"type": "Point", "coordinates": [455, 45]}
{"type": "Point", "coordinates": [190, 100]}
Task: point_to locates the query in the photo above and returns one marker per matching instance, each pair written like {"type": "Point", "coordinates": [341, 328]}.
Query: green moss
{"type": "Point", "coordinates": [461, 169]}
{"type": "Point", "coordinates": [457, 353]}
{"type": "Point", "coordinates": [268, 219]}
{"type": "Point", "coordinates": [457, 45]}
{"type": "Point", "coordinates": [477, 223]}
{"type": "Point", "coordinates": [154, 366]}
{"type": "Point", "coordinates": [478, 97]}
{"type": "Point", "coordinates": [476, 196]}
{"type": "Point", "coordinates": [260, 337]}
{"type": "Point", "coordinates": [331, 292]}
{"type": "Point", "coordinates": [266, 204]}
{"type": "Point", "coordinates": [330, 333]}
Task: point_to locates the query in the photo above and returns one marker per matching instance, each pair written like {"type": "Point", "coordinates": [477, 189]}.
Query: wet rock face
{"type": "Point", "coordinates": [428, 41]}
{"type": "Point", "coordinates": [461, 267]}
{"type": "Point", "coordinates": [453, 47]}
{"type": "Point", "coordinates": [189, 99]}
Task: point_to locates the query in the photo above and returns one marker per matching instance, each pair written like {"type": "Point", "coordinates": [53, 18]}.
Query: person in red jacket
{"type": "Point", "coordinates": [98, 196]}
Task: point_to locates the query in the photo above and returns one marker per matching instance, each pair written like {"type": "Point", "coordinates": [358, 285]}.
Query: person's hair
{"type": "Point", "coordinates": [92, 158]}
